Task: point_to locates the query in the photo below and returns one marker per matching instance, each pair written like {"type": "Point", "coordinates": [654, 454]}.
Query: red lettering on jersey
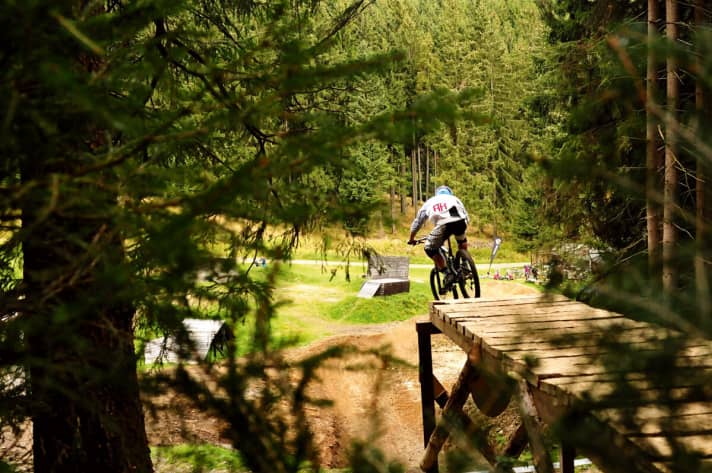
{"type": "Point", "coordinates": [439, 207]}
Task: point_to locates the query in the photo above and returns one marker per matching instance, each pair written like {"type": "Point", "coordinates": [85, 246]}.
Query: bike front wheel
{"type": "Point", "coordinates": [469, 280]}
{"type": "Point", "coordinates": [436, 281]}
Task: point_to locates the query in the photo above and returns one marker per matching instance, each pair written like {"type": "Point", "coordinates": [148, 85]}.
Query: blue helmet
{"type": "Point", "coordinates": [443, 190]}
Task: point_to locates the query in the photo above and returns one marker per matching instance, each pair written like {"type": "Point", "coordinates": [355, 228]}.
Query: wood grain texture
{"type": "Point", "coordinates": [572, 355]}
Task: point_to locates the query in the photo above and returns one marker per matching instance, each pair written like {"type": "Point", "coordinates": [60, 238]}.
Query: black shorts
{"type": "Point", "coordinates": [437, 237]}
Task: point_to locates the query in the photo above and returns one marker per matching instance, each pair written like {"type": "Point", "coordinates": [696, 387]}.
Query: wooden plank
{"type": "Point", "coordinates": [390, 286]}
{"type": "Point", "coordinates": [667, 467]}
{"type": "Point", "coordinates": [553, 368]}
{"type": "Point", "coordinates": [561, 335]}
{"type": "Point", "coordinates": [579, 385]}
{"type": "Point", "coordinates": [549, 349]}
{"type": "Point", "coordinates": [522, 310]}
{"type": "Point", "coordinates": [591, 364]}
{"type": "Point", "coordinates": [535, 329]}
{"type": "Point", "coordinates": [639, 378]}
{"type": "Point", "coordinates": [528, 326]}
{"type": "Point", "coordinates": [534, 316]}
{"type": "Point", "coordinates": [608, 449]}
{"type": "Point", "coordinates": [690, 425]}
{"type": "Point", "coordinates": [464, 341]}
{"type": "Point", "coordinates": [604, 394]}
{"type": "Point", "coordinates": [575, 361]}
{"type": "Point", "coordinates": [592, 326]}
{"type": "Point", "coordinates": [552, 335]}
{"type": "Point", "coordinates": [474, 310]}
{"type": "Point", "coordinates": [659, 447]}
{"type": "Point", "coordinates": [503, 301]}
{"type": "Point", "coordinates": [538, 315]}
{"type": "Point", "coordinates": [657, 412]}
{"type": "Point", "coordinates": [529, 311]}
{"type": "Point", "coordinates": [631, 340]}
{"type": "Point", "coordinates": [469, 428]}
{"type": "Point", "coordinates": [682, 425]}
{"type": "Point", "coordinates": [548, 367]}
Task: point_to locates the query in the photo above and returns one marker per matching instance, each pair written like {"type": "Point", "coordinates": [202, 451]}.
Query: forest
{"type": "Point", "coordinates": [148, 149]}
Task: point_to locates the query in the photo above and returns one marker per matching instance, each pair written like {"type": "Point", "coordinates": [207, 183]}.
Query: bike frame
{"type": "Point", "coordinates": [460, 283]}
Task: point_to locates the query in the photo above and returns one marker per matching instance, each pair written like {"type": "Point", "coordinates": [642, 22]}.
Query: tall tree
{"type": "Point", "coordinates": [652, 155]}
{"type": "Point", "coordinates": [702, 193]}
{"type": "Point", "coordinates": [670, 200]}
{"type": "Point", "coordinates": [80, 360]}
{"type": "Point", "coordinates": [147, 148]}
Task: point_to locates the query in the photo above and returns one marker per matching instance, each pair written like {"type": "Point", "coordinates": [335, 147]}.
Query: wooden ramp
{"type": "Point", "coordinates": [561, 361]}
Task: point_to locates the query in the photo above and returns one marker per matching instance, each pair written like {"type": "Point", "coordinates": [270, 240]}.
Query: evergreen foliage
{"type": "Point", "coordinates": [600, 189]}
{"type": "Point", "coordinates": [149, 148]}
{"type": "Point", "coordinates": [152, 151]}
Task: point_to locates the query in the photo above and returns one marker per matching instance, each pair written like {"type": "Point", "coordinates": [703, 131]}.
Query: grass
{"type": "Point", "coordinates": [356, 310]}
{"type": "Point", "coordinates": [316, 305]}
{"type": "Point", "coordinates": [6, 467]}
{"type": "Point", "coordinates": [315, 301]}
{"type": "Point", "coordinates": [202, 458]}
{"type": "Point", "coordinates": [379, 309]}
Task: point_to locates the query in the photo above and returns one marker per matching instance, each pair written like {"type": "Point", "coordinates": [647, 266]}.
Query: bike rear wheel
{"type": "Point", "coordinates": [435, 285]}
{"type": "Point", "coordinates": [469, 280]}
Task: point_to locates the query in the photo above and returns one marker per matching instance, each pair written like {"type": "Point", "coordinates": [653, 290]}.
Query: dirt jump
{"type": "Point", "coordinates": [380, 406]}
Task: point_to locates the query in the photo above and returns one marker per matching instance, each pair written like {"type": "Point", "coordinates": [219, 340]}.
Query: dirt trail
{"type": "Point", "coordinates": [381, 406]}
{"type": "Point", "coordinates": [390, 397]}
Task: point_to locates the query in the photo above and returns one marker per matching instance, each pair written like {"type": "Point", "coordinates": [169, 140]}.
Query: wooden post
{"type": "Point", "coordinates": [440, 393]}
{"type": "Point", "coordinates": [517, 443]}
{"type": "Point", "coordinates": [425, 376]}
{"type": "Point", "coordinates": [567, 454]}
{"type": "Point", "coordinates": [542, 460]}
{"type": "Point", "coordinates": [487, 450]}
{"type": "Point", "coordinates": [450, 415]}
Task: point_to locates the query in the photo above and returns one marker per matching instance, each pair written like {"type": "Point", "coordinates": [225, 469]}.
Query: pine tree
{"type": "Point", "coordinates": [149, 149]}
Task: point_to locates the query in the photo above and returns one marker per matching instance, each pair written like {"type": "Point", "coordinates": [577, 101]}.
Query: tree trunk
{"type": "Point", "coordinates": [653, 161]}
{"type": "Point", "coordinates": [702, 214]}
{"type": "Point", "coordinates": [87, 415]}
{"type": "Point", "coordinates": [420, 174]}
{"type": "Point", "coordinates": [83, 386]}
{"type": "Point", "coordinates": [401, 186]}
{"type": "Point", "coordinates": [427, 171]}
{"type": "Point", "coordinates": [670, 274]}
{"type": "Point", "coordinates": [414, 179]}
{"type": "Point", "coordinates": [392, 207]}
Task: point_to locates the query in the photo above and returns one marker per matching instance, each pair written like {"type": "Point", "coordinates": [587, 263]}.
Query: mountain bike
{"type": "Point", "coordinates": [462, 266]}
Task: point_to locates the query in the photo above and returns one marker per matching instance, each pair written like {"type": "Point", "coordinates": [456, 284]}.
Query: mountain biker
{"type": "Point", "coordinates": [449, 216]}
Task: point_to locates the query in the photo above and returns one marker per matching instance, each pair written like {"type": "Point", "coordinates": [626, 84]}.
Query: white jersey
{"type": "Point", "coordinates": [440, 209]}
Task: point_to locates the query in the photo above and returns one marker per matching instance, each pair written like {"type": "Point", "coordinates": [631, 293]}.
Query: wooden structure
{"type": "Point", "coordinates": [209, 338]}
{"type": "Point", "coordinates": [387, 275]}
{"type": "Point", "coordinates": [556, 358]}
